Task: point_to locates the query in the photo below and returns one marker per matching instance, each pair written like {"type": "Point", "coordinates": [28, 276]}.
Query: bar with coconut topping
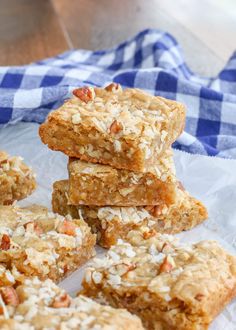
{"type": "Point", "coordinates": [41, 305]}
{"type": "Point", "coordinates": [17, 180]}
{"type": "Point", "coordinates": [169, 285]}
{"type": "Point", "coordinates": [111, 223]}
{"type": "Point", "coordinates": [96, 184]}
{"type": "Point", "coordinates": [36, 242]}
{"type": "Point", "coordinates": [126, 129]}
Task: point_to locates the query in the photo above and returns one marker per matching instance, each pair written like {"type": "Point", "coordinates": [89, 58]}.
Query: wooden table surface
{"type": "Point", "coordinates": [34, 29]}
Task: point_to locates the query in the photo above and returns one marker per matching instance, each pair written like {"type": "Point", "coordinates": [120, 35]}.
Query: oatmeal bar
{"type": "Point", "coordinates": [170, 286]}
{"type": "Point", "coordinates": [39, 243]}
{"type": "Point", "coordinates": [17, 180]}
{"type": "Point", "coordinates": [96, 184]}
{"type": "Point", "coordinates": [112, 223]}
{"type": "Point", "coordinates": [37, 305]}
{"type": "Point", "coordinates": [126, 129]}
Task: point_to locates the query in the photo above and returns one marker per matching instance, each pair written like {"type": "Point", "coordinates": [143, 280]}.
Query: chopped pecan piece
{"type": "Point", "coordinates": [62, 301]}
{"type": "Point", "coordinates": [9, 296]}
{"type": "Point", "coordinates": [8, 202]}
{"type": "Point", "coordinates": [199, 296]}
{"type": "Point", "coordinates": [166, 247]}
{"type": "Point", "coordinates": [65, 269]}
{"type": "Point", "coordinates": [67, 227]}
{"type": "Point", "coordinates": [166, 266]}
{"type": "Point", "coordinates": [5, 243]}
{"type": "Point", "coordinates": [148, 234]}
{"type": "Point", "coordinates": [113, 87]}
{"type": "Point", "coordinates": [155, 211]}
{"type": "Point", "coordinates": [131, 267]}
{"type": "Point", "coordinates": [115, 127]}
{"type": "Point", "coordinates": [4, 161]}
{"type": "Point", "coordinates": [123, 268]}
{"type": "Point", "coordinates": [85, 94]}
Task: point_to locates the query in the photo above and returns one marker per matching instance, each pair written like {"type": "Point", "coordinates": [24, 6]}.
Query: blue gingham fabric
{"type": "Point", "coordinates": [153, 61]}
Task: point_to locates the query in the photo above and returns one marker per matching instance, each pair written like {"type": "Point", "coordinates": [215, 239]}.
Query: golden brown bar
{"type": "Point", "coordinates": [17, 180]}
{"type": "Point", "coordinates": [36, 305]}
{"type": "Point", "coordinates": [96, 184]}
{"type": "Point", "coordinates": [36, 242]}
{"type": "Point", "coordinates": [126, 129]}
{"type": "Point", "coordinates": [112, 223]}
{"type": "Point", "coordinates": [170, 286]}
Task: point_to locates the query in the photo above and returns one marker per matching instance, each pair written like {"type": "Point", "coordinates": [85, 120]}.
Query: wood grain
{"type": "Point", "coordinates": [100, 24]}
{"type": "Point", "coordinates": [29, 31]}
{"type": "Point", "coordinates": [34, 29]}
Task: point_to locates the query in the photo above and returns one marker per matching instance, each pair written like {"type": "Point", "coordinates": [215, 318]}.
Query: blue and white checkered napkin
{"type": "Point", "coordinates": [152, 61]}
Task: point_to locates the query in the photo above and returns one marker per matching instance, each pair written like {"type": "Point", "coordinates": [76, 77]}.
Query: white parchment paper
{"type": "Point", "coordinates": [211, 179]}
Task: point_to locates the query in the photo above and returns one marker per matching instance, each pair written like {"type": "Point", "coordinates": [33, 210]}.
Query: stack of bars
{"type": "Point", "coordinates": [121, 169]}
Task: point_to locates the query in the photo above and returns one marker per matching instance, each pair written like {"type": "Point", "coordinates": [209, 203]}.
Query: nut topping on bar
{"type": "Point", "coordinates": [199, 296]}
{"type": "Point", "coordinates": [166, 265]}
{"type": "Point", "coordinates": [156, 210]}
{"type": "Point", "coordinates": [9, 296]}
{"type": "Point", "coordinates": [36, 242]}
{"type": "Point", "coordinates": [67, 227]}
{"type": "Point", "coordinates": [41, 305]}
{"type": "Point", "coordinates": [113, 222]}
{"type": "Point", "coordinates": [5, 243]}
{"type": "Point", "coordinates": [96, 184]}
{"type": "Point", "coordinates": [62, 301]}
{"type": "Point", "coordinates": [97, 122]}
{"type": "Point", "coordinates": [148, 234]}
{"type": "Point", "coordinates": [115, 127]}
{"type": "Point", "coordinates": [172, 286]}
{"type": "Point", "coordinates": [113, 87]}
{"type": "Point", "coordinates": [17, 180]}
{"type": "Point", "coordinates": [85, 94]}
